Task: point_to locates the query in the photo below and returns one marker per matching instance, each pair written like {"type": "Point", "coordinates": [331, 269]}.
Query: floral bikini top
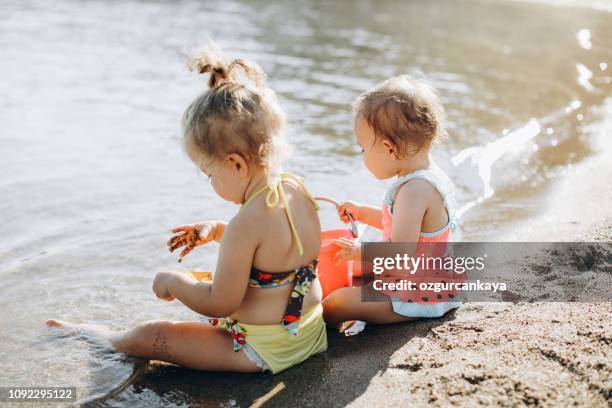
{"type": "Point", "coordinates": [303, 276]}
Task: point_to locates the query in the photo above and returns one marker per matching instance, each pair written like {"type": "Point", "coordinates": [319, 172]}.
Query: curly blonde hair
{"type": "Point", "coordinates": [234, 117]}
{"type": "Point", "coordinates": [404, 110]}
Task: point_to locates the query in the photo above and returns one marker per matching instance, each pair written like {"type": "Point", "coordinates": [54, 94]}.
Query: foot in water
{"type": "Point", "coordinates": [90, 332]}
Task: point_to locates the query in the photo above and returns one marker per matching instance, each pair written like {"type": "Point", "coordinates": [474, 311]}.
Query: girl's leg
{"type": "Point", "coordinates": [189, 344]}
{"type": "Point", "coordinates": [345, 304]}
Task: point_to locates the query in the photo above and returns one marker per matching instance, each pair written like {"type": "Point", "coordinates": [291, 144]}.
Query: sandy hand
{"type": "Point", "coordinates": [191, 236]}
{"type": "Point", "coordinates": [350, 250]}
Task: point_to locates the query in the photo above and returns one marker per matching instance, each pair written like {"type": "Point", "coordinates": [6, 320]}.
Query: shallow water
{"type": "Point", "coordinates": [93, 177]}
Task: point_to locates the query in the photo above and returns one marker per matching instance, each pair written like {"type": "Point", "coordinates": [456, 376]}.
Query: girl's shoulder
{"type": "Point", "coordinates": [247, 222]}
{"type": "Point", "coordinates": [424, 183]}
{"type": "Point", "coordinates": [416, 193]}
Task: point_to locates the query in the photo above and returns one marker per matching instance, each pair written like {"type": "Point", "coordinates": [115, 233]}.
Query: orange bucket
{"type": "Point", "coordinates": [330, 275]}
{"type": "Point", "coordinates": [333, 276]}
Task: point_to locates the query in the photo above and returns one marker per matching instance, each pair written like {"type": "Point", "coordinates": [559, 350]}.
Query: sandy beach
{"type": "Point", "coordinates": [496, 354]}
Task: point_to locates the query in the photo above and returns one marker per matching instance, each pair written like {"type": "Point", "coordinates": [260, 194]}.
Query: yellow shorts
{"type": "Point", "coordinates": [280, 349]}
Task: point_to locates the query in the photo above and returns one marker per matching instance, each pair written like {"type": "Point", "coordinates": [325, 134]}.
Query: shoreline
{"type": "Point", "coordinates": [577, 209]}
{"type": "Point", "coordinates": [502, 354]}
{"type": "Point", "coordinates": [508, 354]}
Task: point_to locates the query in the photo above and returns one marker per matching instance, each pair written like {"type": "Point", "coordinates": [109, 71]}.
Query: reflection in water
{"type": "Point", "coordinates": [584, 38]}
{"type": "Point", "coordinates": [94, 176]}
{"type": "Point", "coordinates": [584, 77]}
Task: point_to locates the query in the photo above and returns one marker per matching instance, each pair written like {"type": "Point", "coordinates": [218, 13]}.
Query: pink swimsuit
{"type": "Point", "coordinates": [423, 303]}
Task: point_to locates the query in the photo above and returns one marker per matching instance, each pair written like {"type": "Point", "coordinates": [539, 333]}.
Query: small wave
{"type": "Point", "coordinates": [484, 157]}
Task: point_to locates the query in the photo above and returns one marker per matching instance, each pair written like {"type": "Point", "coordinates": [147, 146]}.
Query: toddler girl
{"type": "Point", "coordinates": [264, 302]}
{"type": "Point", "coordinates": [395, 126]}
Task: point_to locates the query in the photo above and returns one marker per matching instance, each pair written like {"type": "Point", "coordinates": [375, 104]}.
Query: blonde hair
{"type": "Point", "coordinates": [403, 110]}
{"type": "Point", "coordinates": [234, 117]}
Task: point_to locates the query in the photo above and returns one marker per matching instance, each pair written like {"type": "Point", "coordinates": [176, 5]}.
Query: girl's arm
{"type": "Point", "coordinates": [366, 214]}
{"type": "Point", "coordinates": [219, 230]}
{"type": "Point", "coordinates": [224, 296]}
{"type": "Point", "coordinates": [371, 215]}
{"type": "Point", "coordinates": [410, 204]}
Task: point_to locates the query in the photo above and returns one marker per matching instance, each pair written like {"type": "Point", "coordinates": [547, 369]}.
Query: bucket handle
{"type": "Point", "coordinates": [337, 204]}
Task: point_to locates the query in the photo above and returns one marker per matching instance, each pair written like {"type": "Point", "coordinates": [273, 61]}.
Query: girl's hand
{"type": "Point", "coordinates": [191, 236]}
{"type": "Point", "coordinates": [349, 207]}
{"type": "Point", "coordinates": [350, 250]}
{"type": "Point", "coordinates": [161, 283]}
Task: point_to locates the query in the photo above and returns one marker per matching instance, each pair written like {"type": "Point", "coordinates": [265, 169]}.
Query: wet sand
{"type": "Point", "coordinates": [578, 210]}
{"type": "Point", "coordinates": [502, 354]}
{"type": "Point", "coordinates": [545, 354]}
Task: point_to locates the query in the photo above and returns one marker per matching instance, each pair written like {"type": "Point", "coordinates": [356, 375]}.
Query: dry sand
{"type": "Point", "coordinates": [553, 354]}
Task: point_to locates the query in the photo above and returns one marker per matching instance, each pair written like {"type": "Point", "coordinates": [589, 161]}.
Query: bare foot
{"type": "Point", "coordinates": [57, 323]}
{"type": "Point", "coordinates": [90, 332]}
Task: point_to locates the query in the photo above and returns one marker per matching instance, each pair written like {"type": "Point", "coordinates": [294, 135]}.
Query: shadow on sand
{"type": "Point", "coordinates": [334, 378]}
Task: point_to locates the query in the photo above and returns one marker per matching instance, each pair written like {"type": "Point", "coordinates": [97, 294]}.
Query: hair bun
{"type": "Point", "coordinates": [209, 59]}
{"type": "Point", "coordinates": [251, 69]}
